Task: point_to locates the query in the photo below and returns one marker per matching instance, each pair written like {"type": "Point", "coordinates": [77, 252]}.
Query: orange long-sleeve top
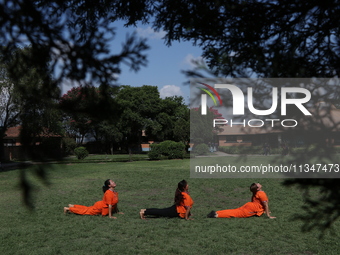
{"type": "Point", "coordinates": [185, 203]}
{"type": "Point", "coordinates": [257, 202]}
{"type": "Point", "coordinates": [110, 198]}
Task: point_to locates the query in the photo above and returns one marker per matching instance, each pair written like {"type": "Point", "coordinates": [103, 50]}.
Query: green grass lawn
{"type": "Point", "coordinates": [143, 184]}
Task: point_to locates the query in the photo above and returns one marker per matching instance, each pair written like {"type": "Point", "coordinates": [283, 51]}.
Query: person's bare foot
{"type": "Point", "coordinates": [66, 210]}
{"type": "Point", "coordinates": [141, 214]}
{"type": "Point", "coordinates": [70, 205]}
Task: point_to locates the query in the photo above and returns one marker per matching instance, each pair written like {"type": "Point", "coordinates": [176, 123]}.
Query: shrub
{"type": "Point", "coordinates": [69, 144]}
{"type": "Point", "coordinates": [168, 149]}
{"type": "Point", "coordinates": [337, 149]}
{"type": "Point", "coordinates": [201, 149]}
{"type": "Point", "coordinates": [171, 149]}
{"type": "Point", "coordinates": [275, 150]}
{"type": "Point", "coordinates": [81, 152]}
{"type": "Point", "coordinates": [155, 152]}
{"type": "Point", "coordinates": [229, 149]}
{"type": "Point", "coordinates": [244, 150]}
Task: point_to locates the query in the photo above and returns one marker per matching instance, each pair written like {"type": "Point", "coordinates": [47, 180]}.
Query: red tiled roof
{"type": "Point", "coordinates": [14, 132]}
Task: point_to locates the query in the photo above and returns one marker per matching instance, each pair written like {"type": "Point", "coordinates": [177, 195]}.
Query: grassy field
{"type": "Point", "coordinates": [143, 184]}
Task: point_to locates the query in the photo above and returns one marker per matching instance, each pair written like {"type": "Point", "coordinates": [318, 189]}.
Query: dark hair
{"type": "Point", "coordinates": [253, 188]}
{"type": "Point", "coordinates": [178, 194]}
{"type": "Point", "coordinates": [106, 185]}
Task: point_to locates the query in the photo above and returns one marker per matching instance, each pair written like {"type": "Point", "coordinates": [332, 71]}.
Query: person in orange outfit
{"type": "Point", "coordinates": [181, 208]}
{"type": "Point", "coordinates": [257, 206]}
{"type": "Point", "coordinates": [107, 206]}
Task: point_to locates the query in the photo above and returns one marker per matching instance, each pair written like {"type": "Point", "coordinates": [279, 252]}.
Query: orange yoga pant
{"type": "Point", "coordinates": [235, 213]}
{"type": "Point", "coordinates": [87, 210]}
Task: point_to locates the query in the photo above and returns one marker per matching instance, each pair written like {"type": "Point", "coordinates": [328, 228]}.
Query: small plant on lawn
{"type": "Point", "coordinates": [201, 149]}
{"type": "Point", "coordinates": [81, 152]}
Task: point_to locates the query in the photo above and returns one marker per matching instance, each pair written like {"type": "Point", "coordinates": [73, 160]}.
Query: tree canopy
{"type": "Point", "coordinates": [73, 36]}
{"type": "Point", "coordinates": [267, 38]}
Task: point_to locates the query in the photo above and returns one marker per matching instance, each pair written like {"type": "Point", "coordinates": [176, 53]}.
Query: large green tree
{"type": "Point", "coordinates": [171, 122]}
{"type": "Point", "coordinates": [87, 111]}
{"type": "Point", "coordinates": [36, 97]}
{"type": "Point", "coordinates": [9, 106]}
{"type": "Point", "coordinates": [138, 107]}
{"type": "Point", "coordinates": [27, 99]}
{"type": "Point", "coordinates": [126, 114]}
{"type": "Point", "coordinates": [77, 105]}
